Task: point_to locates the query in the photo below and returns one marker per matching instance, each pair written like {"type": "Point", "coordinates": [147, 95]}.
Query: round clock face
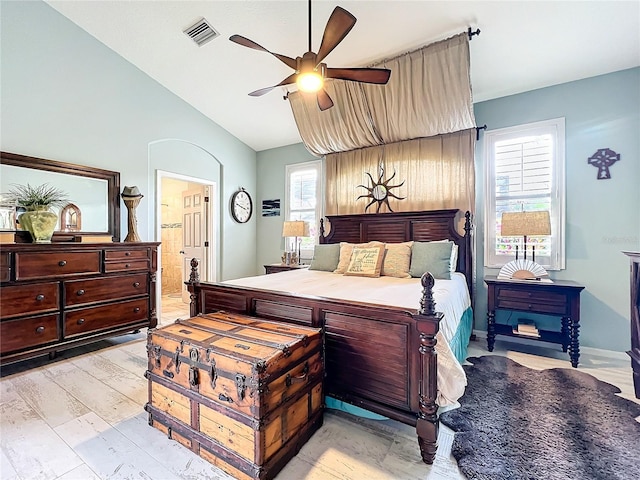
{"type": "Point", "coordinates": [379, 192]}
{"type": "Point", "coordinates": [241, 206]}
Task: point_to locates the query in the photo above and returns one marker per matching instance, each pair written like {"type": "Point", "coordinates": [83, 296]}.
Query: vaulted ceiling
{"type": "Point", "coordinates": [524, 45]}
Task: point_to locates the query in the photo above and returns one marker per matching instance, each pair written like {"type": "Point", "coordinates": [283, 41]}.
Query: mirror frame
{"type": "Point", "coordinates": [113, 191]}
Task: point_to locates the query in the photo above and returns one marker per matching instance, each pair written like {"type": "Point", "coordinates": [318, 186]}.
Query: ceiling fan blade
{"type": "Point", "coordinates": [340, 23]}
{"type": "Point", "coordinates": [365, 75]}
{"type": "Point", "coordinates": [287, 81]}
{"type": "Point", "coordinates": [324, 100]}
{"type": "Point", "coordinates": [245, 42]}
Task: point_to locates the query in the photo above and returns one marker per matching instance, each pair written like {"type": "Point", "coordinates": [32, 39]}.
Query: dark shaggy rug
{"type": "Point", "coordinates": [521, 424]}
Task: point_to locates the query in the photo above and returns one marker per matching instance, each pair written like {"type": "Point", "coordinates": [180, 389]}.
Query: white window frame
{"type": "Point", "coordinates": [305, 253]}
{"type": "Point", "coordinates": [555, 127]}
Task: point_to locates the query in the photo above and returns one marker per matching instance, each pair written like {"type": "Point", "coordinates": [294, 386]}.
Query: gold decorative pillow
{"type": "Point", "coordinates": [366, 261]}
{"type": "Point", "coordinates": [345, 253]}
{"type": "Point", "coordinates": [397, 260]}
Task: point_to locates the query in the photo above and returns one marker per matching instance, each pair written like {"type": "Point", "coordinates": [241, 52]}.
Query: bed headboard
{"type": "Point", "coordinates": [403, 227]}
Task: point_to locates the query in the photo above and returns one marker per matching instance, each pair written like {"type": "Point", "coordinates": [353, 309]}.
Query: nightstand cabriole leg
{"type": "Point", "coordinates": [566, 338]}
{"type": "Point", "coordinates": [491, 329]}
{"type": "Point", "coordinates": [574, 352]}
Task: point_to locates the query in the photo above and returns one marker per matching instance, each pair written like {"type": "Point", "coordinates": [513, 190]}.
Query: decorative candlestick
{"type": "Point", "coordinates": [131, 197]}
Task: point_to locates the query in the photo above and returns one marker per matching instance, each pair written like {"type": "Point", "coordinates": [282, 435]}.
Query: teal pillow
{"type": "Point", "coordinates": [325, 257]}
{"type": "Point", "coordinates": [434, 257]}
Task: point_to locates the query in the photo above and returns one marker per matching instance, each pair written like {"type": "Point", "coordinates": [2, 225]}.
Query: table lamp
{"type": "Point", "coordinates": [296, 228]}
{"type": "Point", "coordinates": [525, 224]}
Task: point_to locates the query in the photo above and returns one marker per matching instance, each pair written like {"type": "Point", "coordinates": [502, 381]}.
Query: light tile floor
{"type": "Point", "coordinates": [80, 417]}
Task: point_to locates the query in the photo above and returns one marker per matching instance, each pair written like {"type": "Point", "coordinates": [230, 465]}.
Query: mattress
{"type": "Point", "coordinates": [451, 298]}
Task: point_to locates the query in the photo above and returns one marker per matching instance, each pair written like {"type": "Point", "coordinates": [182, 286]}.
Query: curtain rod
{"type": "Point", "coordinates": [469, 32]}
{"type": "Point", "coordinates": [484, 127]}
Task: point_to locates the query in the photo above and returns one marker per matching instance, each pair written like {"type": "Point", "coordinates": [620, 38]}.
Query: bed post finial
{"type": "Point", "coordinates": [427, 304]}
{"type": "Point", "coordinates": [194, 277]}
{"type": "Point", "coordinates": [321, 228]}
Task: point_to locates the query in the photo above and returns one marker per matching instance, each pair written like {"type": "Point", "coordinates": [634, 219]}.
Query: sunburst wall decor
{"type": "Point", "coordinates": [380, 191]}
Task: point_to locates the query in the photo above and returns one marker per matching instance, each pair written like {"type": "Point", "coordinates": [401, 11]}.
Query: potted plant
{"type": "Point", "coordinates": [38, 219]}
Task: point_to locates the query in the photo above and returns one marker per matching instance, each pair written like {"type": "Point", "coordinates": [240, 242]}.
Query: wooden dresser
{"type": "Point", "coordinates": [60, 295]}
{"type": "Point", "coordinates": [634, 353]}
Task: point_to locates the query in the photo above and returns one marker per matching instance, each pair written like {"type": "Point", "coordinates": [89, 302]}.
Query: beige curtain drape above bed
{"type": "Point", "coordinates": [438, 173]}
{"type": "Point", "coordinates": [429, 93]}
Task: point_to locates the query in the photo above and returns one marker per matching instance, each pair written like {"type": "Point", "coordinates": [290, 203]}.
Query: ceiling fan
{"type": "Point", "coordinates": [310, 72]}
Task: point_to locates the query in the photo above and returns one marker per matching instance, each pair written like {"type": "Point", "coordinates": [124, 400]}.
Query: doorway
{"type": "Point", "coordinates": [185, 219]}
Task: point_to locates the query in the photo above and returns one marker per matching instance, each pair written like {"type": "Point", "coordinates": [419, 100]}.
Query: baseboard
{"type": "Point", "coordinates": [614, 354]}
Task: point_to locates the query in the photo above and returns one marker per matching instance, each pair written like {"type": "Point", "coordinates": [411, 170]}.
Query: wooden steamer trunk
{"type": "Point", "coordinates": [241, 392]}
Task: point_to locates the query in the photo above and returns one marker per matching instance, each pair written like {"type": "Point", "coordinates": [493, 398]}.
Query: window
{"type": "Point", "coordinates": [525, 172]}
{"type": "Point", "coordinates": [303, 202]}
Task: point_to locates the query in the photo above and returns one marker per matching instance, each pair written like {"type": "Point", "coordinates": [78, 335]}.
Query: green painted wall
{"type": "Point", "coordinates": [66, 96]}
{"type": "Point", "coordinates": [603, 216]}
{"type": "Point", "coordinates": [271, 172]}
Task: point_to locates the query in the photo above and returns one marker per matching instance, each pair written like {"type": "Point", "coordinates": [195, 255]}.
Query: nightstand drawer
{"type": "Point", "coordinates": [532, 306]}
{"type": "Point", "coordinates": [529, 296]}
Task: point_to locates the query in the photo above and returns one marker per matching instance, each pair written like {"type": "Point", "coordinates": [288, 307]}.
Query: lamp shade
{"type": "Point", "coordinates": [525, 223]}
{"type": "Point", "coordinates": [294, 229]}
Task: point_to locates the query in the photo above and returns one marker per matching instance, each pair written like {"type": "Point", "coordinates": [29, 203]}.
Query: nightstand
{"type": "Point", "coordinates": [279, 267]}
{"type": "Point", "coordinates": [560, 299]}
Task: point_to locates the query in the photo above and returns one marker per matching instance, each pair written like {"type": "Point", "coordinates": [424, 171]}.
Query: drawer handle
{"type": "Point", "coordinates": [126, 254]}
{"type": "Point", "coordinates": [127, 265]}
{"type": "Point", "coordinates": [62, 263]}
{"type": "Point", "coordinates": [530, 306]}
{"type": "Point", "coordinates": [80, 321]}
{"type": "Point", "coordinates": [530, 294]}
{"type": "Point", "coordinates": [136, 310]}
{"type": "Point", "coordinates": [80, 292]}
{"type": "Point", "coordinates": [136, 284]}
{"type": "Point", "coordinates": [39, 298]}
{"type": "Point", "coordinates": [40, 329]}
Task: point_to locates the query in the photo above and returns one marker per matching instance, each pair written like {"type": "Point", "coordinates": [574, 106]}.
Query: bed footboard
{"type": "Point", "coordinates": [401, 384]}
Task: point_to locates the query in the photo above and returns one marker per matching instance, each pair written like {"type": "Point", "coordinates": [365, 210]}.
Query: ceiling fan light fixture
{"type": "Point", "coordinates": [310, 81]}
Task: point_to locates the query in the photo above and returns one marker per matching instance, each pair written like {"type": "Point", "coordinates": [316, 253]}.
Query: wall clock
{"type": "Point", "coordinates": [241, 206]}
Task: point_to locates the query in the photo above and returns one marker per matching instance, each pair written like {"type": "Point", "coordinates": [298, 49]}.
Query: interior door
{"type": "Point", "coordinates": [194, 231]}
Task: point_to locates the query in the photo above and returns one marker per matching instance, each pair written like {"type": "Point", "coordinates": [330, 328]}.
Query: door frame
{"type": "Point", "coordinates": [211, 228]}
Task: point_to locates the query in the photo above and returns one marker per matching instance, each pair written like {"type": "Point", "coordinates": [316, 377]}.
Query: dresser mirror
{"type": "Point", "coordinates": [94, 196]}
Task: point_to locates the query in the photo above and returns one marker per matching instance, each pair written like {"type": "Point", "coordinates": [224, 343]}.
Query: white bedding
{"type": "Point", "coordinates": [451, 297]}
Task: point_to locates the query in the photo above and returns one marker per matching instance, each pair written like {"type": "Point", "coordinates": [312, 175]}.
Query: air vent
{"type": "Point", "coordinates": [201, 32]}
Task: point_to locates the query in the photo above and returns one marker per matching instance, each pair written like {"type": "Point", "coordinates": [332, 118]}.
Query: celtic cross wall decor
{"type": "Point", "coordinates": [603, 159]}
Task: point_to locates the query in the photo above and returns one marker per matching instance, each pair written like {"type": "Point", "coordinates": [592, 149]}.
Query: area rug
{"type": "Point", "coordinates": [517, 423]}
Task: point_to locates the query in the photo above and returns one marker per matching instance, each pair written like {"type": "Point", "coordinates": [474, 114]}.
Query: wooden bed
{"type": "Point", "coordinates": [378, 358]}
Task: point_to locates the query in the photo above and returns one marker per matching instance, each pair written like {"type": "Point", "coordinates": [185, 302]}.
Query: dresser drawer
{"type": "Point", "coordinates": [126, 266]}
{"type": "Point", "coordinates": [78, 292]}
{"type": "Point", "coordinates": [93, 319]}
{"type": "Point", "coordinates": [55, 264]}
{"type": "Point", "coordinates": [125, 254]}
{"type": "Point", "coordinates": [20, 300]}
{"type": "Point", "coordinates": [5, 266]}
{"type": "Point", "coordinates": [28, 332]}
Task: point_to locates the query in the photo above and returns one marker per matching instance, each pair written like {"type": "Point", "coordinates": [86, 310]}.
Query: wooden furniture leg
{"type": "Point", "coordinates": [566, 337]}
